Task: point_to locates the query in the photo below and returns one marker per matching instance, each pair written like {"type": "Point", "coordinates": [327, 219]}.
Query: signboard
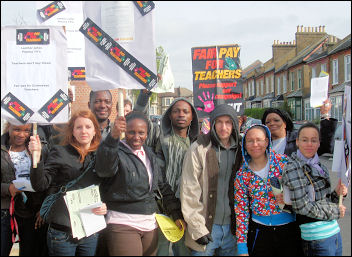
{"type": "Point", "coordinates": [33, 71]}
{"type": "Point", "coordinates": [217, 78]}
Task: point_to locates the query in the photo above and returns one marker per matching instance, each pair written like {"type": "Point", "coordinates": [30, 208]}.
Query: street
{"type": "Point", "coordinates": [345, 222]}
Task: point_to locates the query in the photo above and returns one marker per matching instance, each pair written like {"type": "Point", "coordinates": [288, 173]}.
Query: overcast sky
{"type": "Point", "coordinates": [181, 25]}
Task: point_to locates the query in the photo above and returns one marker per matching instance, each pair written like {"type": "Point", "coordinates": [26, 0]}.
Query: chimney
{"type": "Point", "coordinates": [297, 28]}
{"type": "Point", "coordinates": [319, 28]}
{"type": "Point", "coordinates": [309, 29]}
{"type": "Point", "coordinates": [323, 28]}
{"type": "Point", "coordinates": [301, 28]}
{"type": "Point", "coordinates": [294, 42]}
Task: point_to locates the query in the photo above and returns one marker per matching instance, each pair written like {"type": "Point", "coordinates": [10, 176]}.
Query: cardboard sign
{"type": "Point", "coordinates": [217, 78]}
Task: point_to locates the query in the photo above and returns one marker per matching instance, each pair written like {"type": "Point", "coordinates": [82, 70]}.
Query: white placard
{"type": "Point", "coordinates": [34, 73]}
{"type": "Point", "coordinates": [319, 91]}
{"type": "Point", "coordinates": [117, 20]}
{"type": "Point", "coordinates": [101, 72]}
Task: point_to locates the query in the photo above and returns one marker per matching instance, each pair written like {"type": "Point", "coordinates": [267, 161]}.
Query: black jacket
{"type": "Point", "coordinates": [61, 167]}
{"type": "Point", "coordinates": [327, 132]}
{"type": "Point", "coordinates": [126, 187]}
{"type": "Point", "coordinates": [34, 199]}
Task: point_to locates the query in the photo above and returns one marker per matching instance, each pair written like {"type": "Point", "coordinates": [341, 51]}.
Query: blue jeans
{"type": "Point", "coordinates": [178, 249]}
{"type": "Point", "coordinates": [62, 244]}
{"type": "Point", "coordinates": [224, 243]}
{"type": "Point", "coordinates": [331, 246]}
{"type": "Point", "coordinates": [6, 241]}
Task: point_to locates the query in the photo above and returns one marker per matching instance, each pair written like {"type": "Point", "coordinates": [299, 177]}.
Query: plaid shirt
{"type": "Point", "coordinates": [325, 207]}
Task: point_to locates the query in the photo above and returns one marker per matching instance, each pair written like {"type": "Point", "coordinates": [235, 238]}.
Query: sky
{"type": "Point", "coordinates": [181, 25]}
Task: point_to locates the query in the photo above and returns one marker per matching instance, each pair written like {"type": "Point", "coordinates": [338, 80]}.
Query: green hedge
{"type": "Point", "coordinates": [256, 113]}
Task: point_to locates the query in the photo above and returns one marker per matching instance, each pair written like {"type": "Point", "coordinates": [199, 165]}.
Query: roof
{"type": "Point", "coordinates": [342, 45]}
{"type": "Point", "coordinates": [178, 92]}
{"type": "Point", "coordinates": [250, 98]}
{"type": "Point", "coordinates": [268, 96]}
{"type": "Point", "coordinates": [278, 98]}
{"type": "Point", "coordinates": [257, 99]}
{"type": "Point", "coordinates": [295, 94]}
{"type": "Point", "coordinates": [283, 67]}
{"type": "Point", "coordinates": [301, 55]}
{"type": "Point", "coordinates": [317, 56]}
{"type": "Point", "coordinates": [340, 88]}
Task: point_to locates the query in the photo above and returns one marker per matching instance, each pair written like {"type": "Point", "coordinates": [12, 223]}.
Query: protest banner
{"type": "Point", "coordinates": [166, 81]}
{"type": "Point", "coordinates": [34, 74]}
{"type": "Point", "coordinates": [70, 15]}
{"type": "Point", "coordinates": [342, 150]}
{"type": "Point", "coordinates": [217, 78]}
{"type": "Point", "coordinates": [103, 69]}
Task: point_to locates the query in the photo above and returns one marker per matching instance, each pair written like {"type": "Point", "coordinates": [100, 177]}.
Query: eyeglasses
{"type": "Point", "coordinates": [258, 141]}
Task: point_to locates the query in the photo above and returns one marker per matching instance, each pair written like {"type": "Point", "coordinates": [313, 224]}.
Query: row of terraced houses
{"type": "Point", "coordinates": [287, 75]}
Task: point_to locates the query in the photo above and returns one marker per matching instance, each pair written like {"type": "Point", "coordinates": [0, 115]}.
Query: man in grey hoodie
{"type": "Point", "coordinates": [206, 187]}
{"type": "Point", "coordinates": [179, 127]}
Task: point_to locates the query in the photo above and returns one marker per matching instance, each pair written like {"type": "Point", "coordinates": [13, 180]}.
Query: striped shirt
{"type": "Point", "coordinates": [319, 230]}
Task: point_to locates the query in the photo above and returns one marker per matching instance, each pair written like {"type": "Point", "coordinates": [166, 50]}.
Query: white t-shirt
{"type": "Point", "coordinates": [22, 163]}
{"type": "Point", "coordinates": [263, 173]}
{"type": "Point", "coordinates": [279, 145]}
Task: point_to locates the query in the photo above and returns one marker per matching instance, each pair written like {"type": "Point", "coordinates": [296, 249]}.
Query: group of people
{"type": "Point", "coordinates": [265, 193]}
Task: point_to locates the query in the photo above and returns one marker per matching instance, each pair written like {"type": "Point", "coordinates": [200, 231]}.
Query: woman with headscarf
{"type": "Point", "coordinates": [259, 199]}
{"type": "Point", "coordinates": [280, 125]}
{"type": "Point", "coordinates": [308, 187]}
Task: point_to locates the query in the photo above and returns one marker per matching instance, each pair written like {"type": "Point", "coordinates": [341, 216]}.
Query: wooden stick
{"type": "Point", "coordinates": [121, 108]}
{"type": "Point", "coordinates": [35, 153]}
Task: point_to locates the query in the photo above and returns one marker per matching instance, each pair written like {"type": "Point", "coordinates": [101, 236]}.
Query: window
{"type": "Point", "coordinates": [347, 67]}
{"type": "Point", "coordinates": [278, 86]}
{"type": "Point", "coordinates": [335, 70]}
{"type": "Point", "coordinates": [336, 108]}
{"type": "Point", "coordinates": [267, 84]}
{"type": "Point", "coordinates": [262, 87]}
{"type": "Point", "coordinates": [310, 113]}
{"type": "Point", "coordinates": [167, 101]}
{"type": "Point", "coordinates": [272, 84]}
{"type": "Point", "coordinates": [323, 67]}
{"type": "Point", "coordinates": [314, 72]}
{"type": "Point", "coordinates": [292, 81]}
{"type": "Point", "coordinates": [253, 87]}
{"type": "Point", "coordinates": [257, 88]}
{"type": "Point", "coordinates": [284, 83]}
{"type": "Point", "coordinates": [299, 75]}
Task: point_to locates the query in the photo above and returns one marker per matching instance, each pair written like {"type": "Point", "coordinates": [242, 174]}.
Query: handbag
{"type": "Point", "coordinates": [51, 199]}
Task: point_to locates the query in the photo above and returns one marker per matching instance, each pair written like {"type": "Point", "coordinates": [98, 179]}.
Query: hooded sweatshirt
{"type": "Point", "coordinates": [172, 148]}
{"type": "Point", "coordinates": [226, 159]}
{"type": "Point", "coordinates": [256, 194]}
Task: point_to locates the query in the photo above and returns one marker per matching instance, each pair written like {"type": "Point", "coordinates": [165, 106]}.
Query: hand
{"type": "Point", "coordinates": [341, 189]}
{"type": "Point", "coordinates": [38, 221]}
{"type": "Point", "coordinates": [204, 240]}
{"type": "Point", "coordinates": [35, 145]}
{"type": "Point", "coordinates": [280, 198]}
{"type": "Point", "coordinates": [342, 209]}
{"type": "Point", "coordinates": [180, 223]}
{"type": "Point", "coordinates": [325, 108]}
{"type": "Point", "coordinates": [241, 120]}
{"type": "Point", "coordinates": [119, 127]}
{"type": "Point", "coordinates": [13, 190]}
{"type": "Point", "coordinates": [102, 210]}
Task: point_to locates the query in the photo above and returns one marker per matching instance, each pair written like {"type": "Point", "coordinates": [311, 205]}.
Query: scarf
{"type": "Point", "coordinates": [313, 162]}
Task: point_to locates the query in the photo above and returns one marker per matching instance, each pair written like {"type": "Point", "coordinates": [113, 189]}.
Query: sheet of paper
{"type": "Point", "coordinates": [23, 184]}
{"type": "Point", "coordinates": [319, 91]}
{"type": "Point", "coordinates": [91, 222]}
{"type": "Point", "coordinates": [75, 201]}
{"type": "Point", "coordinates": [117, 19]}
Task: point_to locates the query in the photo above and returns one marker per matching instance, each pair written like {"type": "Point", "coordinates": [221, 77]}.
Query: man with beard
{"type": "Point", "coordinates": [178, 129]}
